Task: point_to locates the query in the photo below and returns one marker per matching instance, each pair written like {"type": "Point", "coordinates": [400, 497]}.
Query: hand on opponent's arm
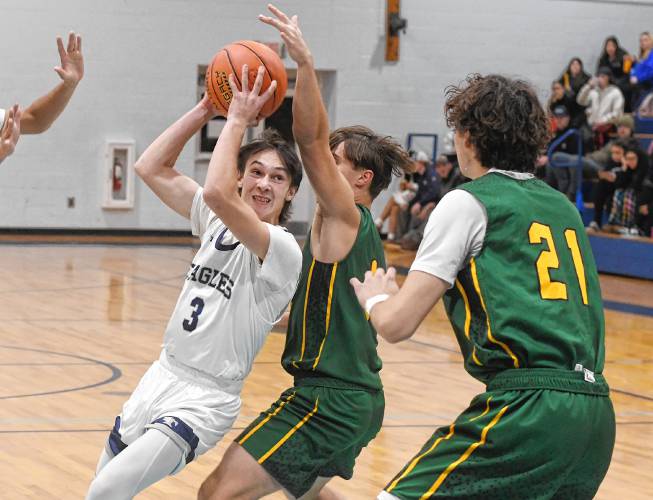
{"type": "Point", "coordinates": [221, 186]}
{"type": "Point", "coordinates": [395, 313]}
{"type": "Point", "coordinates": [10, 132]}
{"type": "Point", "coordinates": [40, 115]}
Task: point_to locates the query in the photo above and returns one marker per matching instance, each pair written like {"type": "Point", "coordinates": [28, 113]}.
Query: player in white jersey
{"type": "Point", "coordinates": [237, 287]}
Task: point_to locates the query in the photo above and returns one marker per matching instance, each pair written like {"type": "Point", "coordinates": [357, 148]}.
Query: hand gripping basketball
{"type": "Point", "coordinates": [246, 104]}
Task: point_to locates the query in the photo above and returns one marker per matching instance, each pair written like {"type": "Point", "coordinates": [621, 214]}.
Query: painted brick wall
{"type": "Point", "coordinates": [142, 55]}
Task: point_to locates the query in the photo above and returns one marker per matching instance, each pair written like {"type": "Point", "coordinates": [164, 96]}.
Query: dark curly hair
{"type": "Point", "coordinates": [270, 139]}
{"type": "Point", "coordinates": [368, 150]}
{"type": "Point", "coordinates": [507, 126]}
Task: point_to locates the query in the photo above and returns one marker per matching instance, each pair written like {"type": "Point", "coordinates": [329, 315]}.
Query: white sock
{"type": "Point", "coordinates": [391, 236]}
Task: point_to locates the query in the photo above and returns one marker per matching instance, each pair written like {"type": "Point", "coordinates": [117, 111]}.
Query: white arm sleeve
{"type": "Point", "coordinates": [200, 214]}
{"type": "Point", "coordinates": [276, 278]}
{"type": "Point", "coordinates": [2, 118]}
{"type": "Point", "coordinates": [453, 235]}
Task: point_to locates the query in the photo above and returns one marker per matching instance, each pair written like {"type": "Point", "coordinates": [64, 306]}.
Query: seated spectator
{"type": "Point", "coordinates": [604, 188]}
{"type": "Point", "coordinates": [645, 205]}
{"type": "Point", "coordinates": [448, 177]}
{"type": "Point", "coordinates": [628, 182]}
{"type": "Point", "coordinates": [572, 80]}
{"type": "Point", "coordinates": [560, 173]}
{"type": "Point", "coordinates": [619, 62]}
{"type": "Point", "coordinates": [625, 130]}
{"type": "Point", "coordinates": [641, 75]}
{"type": "Point", "coordinates": [605, 104]}
{"type": "Point", "coordinates": [557, 98]}
{"type": "Point", "coordinates": [400, 201]}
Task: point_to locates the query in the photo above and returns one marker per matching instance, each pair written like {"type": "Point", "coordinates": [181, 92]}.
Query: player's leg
{"type": "Point", "coordinates": [147, 460]}
{"type": "Point", "coordinates": [297, 444]}
{"type": "Point", "coordinates": [489, 451]}
{"type": "Point", "coordinates": [238, 476]}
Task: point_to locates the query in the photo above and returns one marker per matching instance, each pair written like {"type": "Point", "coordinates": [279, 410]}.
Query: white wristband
{"type": "Point", "coordinates": [372, 301]}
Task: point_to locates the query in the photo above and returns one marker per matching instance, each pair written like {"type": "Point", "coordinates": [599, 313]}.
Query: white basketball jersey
{"type": "Point", "coordinates": [230, 300]}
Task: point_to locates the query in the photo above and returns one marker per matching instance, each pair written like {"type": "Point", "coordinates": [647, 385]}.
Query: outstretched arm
{"type": "Point", "coordinates": [156, 164]}
{"type": "Point", "coordinates": [10, 132]}
{"type": "Point", "coordinates": [395, 313]}
{"type": "Point", "coordinates": [39, 115]}
{"type": "Point", "coordinates": [221, 186]}
{"type": "Point", "coordinates": [311, 126]}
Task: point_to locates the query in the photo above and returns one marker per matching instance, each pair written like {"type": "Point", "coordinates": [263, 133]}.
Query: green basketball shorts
{"type": "Point", "coordinates": [535, 434]}
{"type": "Point", "coordinates": [315, 429]}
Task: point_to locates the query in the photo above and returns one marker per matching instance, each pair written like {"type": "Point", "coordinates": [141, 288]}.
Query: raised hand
{"type": "Point", "coordinates": [71, 70]}
{"type": "Point", "coordinates": [290, 33]}
{"type": "Point", "coordinates": [246, 104]}
{"type": "Point", "coordinates": [10, 132]}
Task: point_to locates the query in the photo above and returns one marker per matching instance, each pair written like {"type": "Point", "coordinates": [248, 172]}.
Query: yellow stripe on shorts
{"type": "Point", "coordinates": [464, 456]}
{"type": "Point", "coordinates": [265, 420]}
{"type": "Point", "coordinates": [289, 433]}
{"type": "Point", "coordinates": [418, 458]}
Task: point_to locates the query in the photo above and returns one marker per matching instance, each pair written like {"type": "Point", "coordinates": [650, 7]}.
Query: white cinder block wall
{"type": "Point", "coordinates": [142, 58]}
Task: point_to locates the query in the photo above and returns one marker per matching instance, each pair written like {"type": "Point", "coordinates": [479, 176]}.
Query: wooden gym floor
{"type": "Point", "coordinates": [80, 324]}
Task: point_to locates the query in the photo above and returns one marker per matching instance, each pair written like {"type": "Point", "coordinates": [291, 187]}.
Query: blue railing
{"type": "Point", "coordinates": [579, 162]}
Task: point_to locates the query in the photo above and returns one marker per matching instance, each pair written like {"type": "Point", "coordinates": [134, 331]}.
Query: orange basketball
{"type": "Point", "coordinates": [231, 59]}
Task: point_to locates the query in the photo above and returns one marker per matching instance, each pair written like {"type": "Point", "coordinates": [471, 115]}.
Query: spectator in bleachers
{"type": "Point", "coordinates": [400, 201]}
{"type": "Point", "coordinates": [625, 130]}
{"type": "Point", "coordinates": [572, 80]}
{"type": "Point", "coordinates": [619, 62]}
{"type": "Point", "coordinates": [604, 188]}
{"type": "Point", "coordinates": [628, 183]}
{"type": "Point", "coordinates": [559, 97]}
{"type": "Point", "coordinates": [447, 178]}
{"type": "Point", "coordinates": [560, 172]}
{"type": "Point", "coordinates": [605, 104]}
{"type": "Point", "coordinates": [641, 75]}
{"type": "Point", "coordinates": [645, 205]}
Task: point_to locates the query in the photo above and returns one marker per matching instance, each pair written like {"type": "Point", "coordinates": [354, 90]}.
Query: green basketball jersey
{"type": "Point", "coordinates": [328, 332]}
{"type": "Point", "coordinates": [531, 297]}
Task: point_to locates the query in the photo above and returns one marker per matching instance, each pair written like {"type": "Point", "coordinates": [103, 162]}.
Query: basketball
{"type": "Point", "coordinates": [230, 59]}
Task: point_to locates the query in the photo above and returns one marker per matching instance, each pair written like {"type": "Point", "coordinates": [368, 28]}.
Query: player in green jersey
{"type": "Point", "coordinates": [317, 428]}
{"type": "Point", "coordinates": [510, 258]}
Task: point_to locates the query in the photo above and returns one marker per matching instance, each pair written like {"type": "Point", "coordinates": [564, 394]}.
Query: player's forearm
{"type": "Point", "coordinates": [222, 177]}
{"type": "Point", "coordinates": [163, 152]}
{"type": "Point", "coordinates": [391, 322]}
{"type": "Point", "coordinates": [310, 119]}
{"type": "Point", "coordinates": [42, 113]}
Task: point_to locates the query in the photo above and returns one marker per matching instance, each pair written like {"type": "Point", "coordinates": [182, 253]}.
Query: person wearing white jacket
{"type": "Point", "coordinates": [604, 101]}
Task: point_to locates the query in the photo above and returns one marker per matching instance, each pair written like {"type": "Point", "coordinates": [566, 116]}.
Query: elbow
{"type": "Point", "coordinates": [140, 167]}
{"type": "Point", "coordinates": [391, 330]}
{"type": "Point", "coordinates": [215, 198]}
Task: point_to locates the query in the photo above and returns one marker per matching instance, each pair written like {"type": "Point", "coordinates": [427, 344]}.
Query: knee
{"type": "Point", "coordinates": [209, 489]}
{"type": "Point", "coordinates": [101, 490]}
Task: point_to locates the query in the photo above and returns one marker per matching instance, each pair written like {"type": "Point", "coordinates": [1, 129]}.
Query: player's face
{"type": "Point", "coordinates": [265, 185]}
{"type": "Point", "coordinates": [356, 177]}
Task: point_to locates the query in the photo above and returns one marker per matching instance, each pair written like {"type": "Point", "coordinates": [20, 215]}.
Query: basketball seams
{"type": "Point", "coordinates": [233, 68]}
{"type": "Point", "coordinates": [225, 106]}
{"type": "Point", "coordinates": [263, 63]}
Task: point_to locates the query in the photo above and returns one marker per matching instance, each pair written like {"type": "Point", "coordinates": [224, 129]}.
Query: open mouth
{"type": "Point", "coordinates": [261, 199]}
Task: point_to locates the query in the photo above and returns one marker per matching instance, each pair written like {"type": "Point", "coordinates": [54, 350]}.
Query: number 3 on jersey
{"type": "Point", "coordinates": [190, 324]}
{"type": "Point", "coordinates": [548, 259]}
